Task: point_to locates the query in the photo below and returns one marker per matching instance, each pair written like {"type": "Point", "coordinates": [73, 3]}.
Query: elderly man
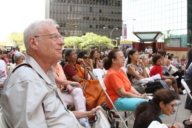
{"type": "Point", "coordinates": [30, 97]}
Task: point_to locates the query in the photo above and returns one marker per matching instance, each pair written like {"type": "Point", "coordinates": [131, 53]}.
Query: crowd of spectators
{"type": "Point", "coordinates": [56, 80]}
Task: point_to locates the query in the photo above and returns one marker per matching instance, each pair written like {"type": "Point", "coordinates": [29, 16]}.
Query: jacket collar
{"type": "Point", "coordinates": [38, 69]}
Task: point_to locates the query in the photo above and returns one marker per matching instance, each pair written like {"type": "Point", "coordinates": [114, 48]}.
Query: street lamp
{"type": "Point", "coordinates": [110, 32]}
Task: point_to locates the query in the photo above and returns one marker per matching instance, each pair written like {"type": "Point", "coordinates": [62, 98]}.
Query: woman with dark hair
{"type": "Point", "coordinates": [78, 73]}
{"type": "Point", "coordinates": [163, 102]}
{"type": "Point", "coordinates": [119, 88]}
{"type": "Point", "coordinates": [94, 59]}
{"type": "Point", "coordinates": [136, 68]}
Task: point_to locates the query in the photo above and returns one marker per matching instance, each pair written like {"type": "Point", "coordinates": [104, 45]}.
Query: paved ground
{"type": "Point", "coordinates": [180, 114]}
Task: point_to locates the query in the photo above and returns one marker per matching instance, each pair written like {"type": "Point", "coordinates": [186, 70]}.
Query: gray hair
{"type": "Point", "coordinates": [142, 56]}
{"type": "Point", "coordinates": [17, 56]}
{"type": "Point", "coordinates": [35, 28]}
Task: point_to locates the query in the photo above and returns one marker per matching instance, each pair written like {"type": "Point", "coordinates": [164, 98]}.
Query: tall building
{"type": "Point", "coordinates": [172, 17]}
{"type": "Point", "coordinates": [77, 17]}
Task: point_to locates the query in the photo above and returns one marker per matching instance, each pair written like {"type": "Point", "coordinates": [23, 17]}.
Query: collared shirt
{"type": "Point", "coordinates": [31, 99]}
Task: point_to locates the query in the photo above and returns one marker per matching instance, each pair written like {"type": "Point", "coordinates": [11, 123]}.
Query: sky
{"type": "Point", "coordinates": [16, 15]}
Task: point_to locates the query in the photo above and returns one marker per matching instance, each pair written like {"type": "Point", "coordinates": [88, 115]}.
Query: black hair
{"type": "Point", "coordinates": [170, 57]}
{"type": "Point", "coordinates": [131, 52]}
{"type": "Point", "coordinates": [110, 56]}
{"type": "Point", "coordinates": [162, 52]}
{"type": "Point", "coordinates": [68, 52]}
{"type": "Point", "coordinates": [81, 54]}
{"type": "Point", "coordinates": [189, 58]}
{"type": "Point", "coordinates": [91, 54]}
{"type": "Point", "coordinates": [146, 112]}
{"type": "Point", "coordinates": [155, 58]}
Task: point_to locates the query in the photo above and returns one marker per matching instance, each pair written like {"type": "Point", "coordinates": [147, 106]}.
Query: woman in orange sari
{"type": "Point", "coordinates": [92, 90]}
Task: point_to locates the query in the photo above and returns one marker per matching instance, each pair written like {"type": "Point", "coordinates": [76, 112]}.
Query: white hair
{"type": "Point", "coordinates": [142, 56]}
{"type": "Point", "coordinates": [34, 28]}
{"type": "Point", "coordinates": [17, 56]}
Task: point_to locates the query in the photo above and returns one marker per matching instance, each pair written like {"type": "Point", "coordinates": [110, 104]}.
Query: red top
{"type": "Point", "coordinates": [69, 71]}
{"type": "Point", "coordinates": [156, 69]}
{"type": "Point", "coordinates": [115, 80]}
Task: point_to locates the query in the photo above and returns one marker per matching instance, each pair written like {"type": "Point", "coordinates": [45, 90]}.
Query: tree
{"type": "Point", "coordinates": [167, 38]}
{"type": "Point", "coordinates": [88, 40]}
{"type": "Point", "coordinates": [17, 40]}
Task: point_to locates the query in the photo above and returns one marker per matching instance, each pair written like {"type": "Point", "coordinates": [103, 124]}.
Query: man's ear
{"type": "Point", "coordinates": [33, 43]}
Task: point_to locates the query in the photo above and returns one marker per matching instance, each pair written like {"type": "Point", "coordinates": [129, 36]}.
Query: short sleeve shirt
{"type": "Point", "coordinates": [156, 70]}
{"type": "Point", "coordinates": [69, 71]}
{"type": "Point", "coordinates": [115, 80]}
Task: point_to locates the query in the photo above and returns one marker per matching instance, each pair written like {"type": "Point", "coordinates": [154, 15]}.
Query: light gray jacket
{"type": "Point", "coordinates": [31, 99]}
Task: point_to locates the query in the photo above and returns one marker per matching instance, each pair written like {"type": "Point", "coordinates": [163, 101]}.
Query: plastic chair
{"type": "Point", "coordinates": [186, 88]}
{"type": "Point", "coordinates": [99, 73]}
{"type": "Point", "coordinates": [121, 119]}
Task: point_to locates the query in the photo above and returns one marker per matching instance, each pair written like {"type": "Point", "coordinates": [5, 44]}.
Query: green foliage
{"type": "Point", "coordinates": [14, 39]}
{"type": "Point", "coordinates": [17, 39]}
{"type": "Point", "coordinates": [88, 40]}
{"type": "Point", "coordinates": [167, 38]}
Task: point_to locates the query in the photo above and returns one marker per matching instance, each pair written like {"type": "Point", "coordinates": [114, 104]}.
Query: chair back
{"type": "Point", "coordinates": [186, 88]}
{"type": "Point", "coordinates": [99, 73]}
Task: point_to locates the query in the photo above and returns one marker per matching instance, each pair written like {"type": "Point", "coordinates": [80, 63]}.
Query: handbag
{"type": "Point", "coordinates": [93, 93]}
{"type": "Point", "coordinates": [163, 83]}
{"type": "Point", "coordinates": [153, 86]}
{"type": "Point", "coordinates": [101, 120]}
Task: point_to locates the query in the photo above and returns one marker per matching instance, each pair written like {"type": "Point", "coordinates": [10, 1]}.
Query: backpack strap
{"type": "Point", "coordinates": [23, 64]}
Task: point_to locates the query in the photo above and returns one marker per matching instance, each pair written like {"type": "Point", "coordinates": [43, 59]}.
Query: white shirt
{"type": "Point", "coordinates": [31, 99]}
{"type": "Point", "coordinates": [148, 50]}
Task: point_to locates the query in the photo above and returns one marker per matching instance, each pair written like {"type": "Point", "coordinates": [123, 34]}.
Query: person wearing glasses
{"type": "Point", "coordinates": [119, 88]}
{"type": "Point", "coordinates": [30, 97]}
{"type": "Point", "coordinates": [80, 73]}
{"type": "Point", "coordinates": [163, 102]}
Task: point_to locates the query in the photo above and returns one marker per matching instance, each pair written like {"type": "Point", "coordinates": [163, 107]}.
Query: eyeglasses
{"type": "Point", "coordinates": [54, 37]}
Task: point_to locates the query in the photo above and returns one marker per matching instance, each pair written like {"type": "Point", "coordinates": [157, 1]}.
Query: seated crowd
{"type": "Point", "coordinates": [57, 83]}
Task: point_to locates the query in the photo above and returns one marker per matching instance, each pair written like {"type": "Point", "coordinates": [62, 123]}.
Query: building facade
{"type": "Point", "coordinates": [77, 17]}
{"type": "Point", "coordinates": [172, 17]}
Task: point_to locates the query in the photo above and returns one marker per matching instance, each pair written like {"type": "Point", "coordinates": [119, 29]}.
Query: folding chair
{"type": "Point", "coordinates": [186, 88]}
{"type": "Point", "coordinates": [99, 73]}
{"type": "Point", "coordinates": [122, 119]}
